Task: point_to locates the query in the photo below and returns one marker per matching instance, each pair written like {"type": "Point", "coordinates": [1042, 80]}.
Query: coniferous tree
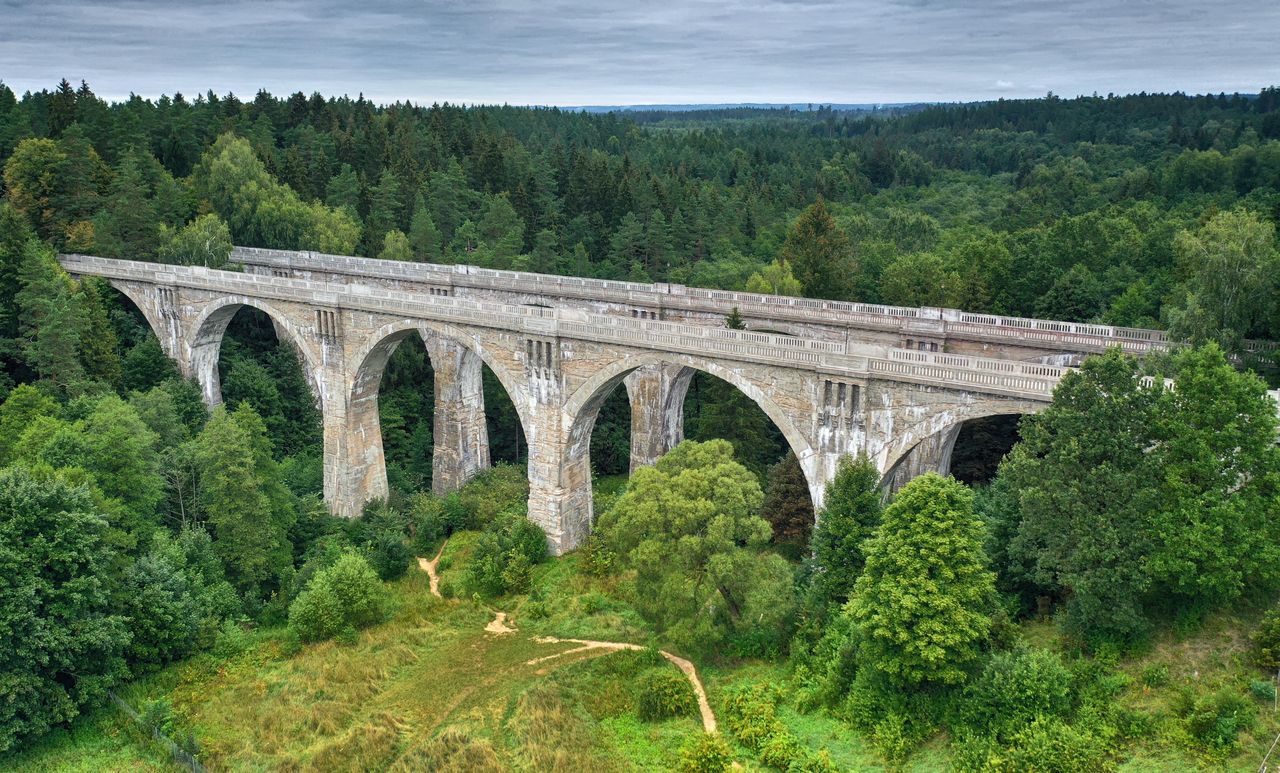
{"type": "Point", "coordinates": [424, 237]}
{"type": "Point", "coordinates": [384, 214]}
{"type": "Point", "coordinates": [53, 323]}
{"type": "Point", "coordinates": [820, 254]}
{"type": "Point", "coordinates": [787, 506]}
{"type": "Point", "coordinates": [849, 517]}
{"type": "Point", "coordinates": [128, 227]}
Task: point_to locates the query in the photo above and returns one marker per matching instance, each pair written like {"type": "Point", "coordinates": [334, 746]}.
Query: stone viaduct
{"type": "Point", "coordinates": [836, 378]}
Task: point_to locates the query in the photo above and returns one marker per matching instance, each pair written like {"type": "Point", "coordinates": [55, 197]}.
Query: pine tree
{"type": "Point", "coordinates": [99, 349]}
{"type": "Point", "coordinates": [343, 190]}
{"type": "Point", "coordinates": [53, 323]}
{"type": "Point", "coordinates": [849, 517]}
{"type": "Point", "coordinates": [657, 245]}
{"type": "Point", "coordinates": [384, 215]}
{"type": "Point", "coordinates": [787, 506]}
{"type": "Point", "coordinates": [545, 257]}
{"type": "Point", "coordinates": [424, 237]}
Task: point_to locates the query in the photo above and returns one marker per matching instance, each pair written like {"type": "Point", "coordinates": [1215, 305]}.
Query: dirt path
{"type": "Point", "coordinates": [704, 708]}
{"type": "Point", "coordinates": [430, 568]}
{"type": "Point", "coordinates": [499, 626]}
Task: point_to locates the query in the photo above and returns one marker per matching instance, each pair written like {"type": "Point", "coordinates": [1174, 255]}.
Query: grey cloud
{"type": "Point", "coordinates": [619, 51]}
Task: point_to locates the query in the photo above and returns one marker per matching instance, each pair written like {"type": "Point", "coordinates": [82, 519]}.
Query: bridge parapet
{"type": "Point", "coordinates": [1052, 334]}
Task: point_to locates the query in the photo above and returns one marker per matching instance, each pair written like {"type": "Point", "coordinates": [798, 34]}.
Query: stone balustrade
{"type": "Point", "coordinates": [1049, 334]}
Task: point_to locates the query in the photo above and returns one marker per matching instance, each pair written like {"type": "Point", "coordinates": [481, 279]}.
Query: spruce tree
{"type": "Point", "coordinates": [820, 254]}
{"type": "Point", "coordinates": [128, 227]}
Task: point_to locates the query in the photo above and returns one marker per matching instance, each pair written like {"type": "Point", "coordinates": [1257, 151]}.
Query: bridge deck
{"type": "Point", "coordinates": [1049, 334]}
{"type": "Point", "coordinates": [1006, 377]}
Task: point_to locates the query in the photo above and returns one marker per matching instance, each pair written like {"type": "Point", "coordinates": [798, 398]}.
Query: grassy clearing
{"type": "Point", "coordinates": [101, 741]}
{"type": "Point", "coordinates": [1216, 656]}
{"type": "Point", "coordinates": [428, 689]}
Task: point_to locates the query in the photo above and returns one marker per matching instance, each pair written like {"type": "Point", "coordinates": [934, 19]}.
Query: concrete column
{"type": "Point", "coordinates": [202, 365]}
{"type": "Point", "coordinates": [559, 478]}
{"type": "Point", "coordinates": [933, 454]}
{"type": "Point", "coordinates": [459, 435]}
{"type": "Point", "coordinates": [355, 468]}
{"type": "Point", "coordinates": [657, 395]}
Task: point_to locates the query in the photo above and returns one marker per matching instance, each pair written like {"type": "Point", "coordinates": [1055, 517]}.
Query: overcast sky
{"type": "Point", "coordinates": [575, 52]}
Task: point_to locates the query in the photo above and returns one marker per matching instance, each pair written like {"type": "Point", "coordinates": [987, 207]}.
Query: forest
{"type": "Point", "coordinates": [148, 544]}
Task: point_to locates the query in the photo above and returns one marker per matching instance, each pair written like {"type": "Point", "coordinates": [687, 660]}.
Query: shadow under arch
{"type": "Point", "coordinates": [439, 340]}
{"type": "Point", "coordinates": [210, 329]}
{"type": "Point", "coordinates": [583, 406]}
{"type": "Point", "coordinates": [164, 328]}
{"type": "Point", "coordinates": [935, 451]}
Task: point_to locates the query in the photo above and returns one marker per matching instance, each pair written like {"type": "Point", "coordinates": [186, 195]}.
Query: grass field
{"type": "Point", "coordinates": [429, 689]}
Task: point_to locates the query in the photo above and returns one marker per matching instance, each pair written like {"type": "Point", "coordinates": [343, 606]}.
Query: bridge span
{"type": "Point", "coordinates": [836, 378]}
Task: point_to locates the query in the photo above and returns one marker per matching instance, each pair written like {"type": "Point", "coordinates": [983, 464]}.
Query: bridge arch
{"type": "Point", "coordinates": [165, 329]}
{"type": "Point", "coordinates": [583, 406]}
{"type": "Point", "coordinates": [204, 344]}
{"type": "Point", "coordinates": [928, 445]}
{"type": "Point", "coordinates": [460, 439]}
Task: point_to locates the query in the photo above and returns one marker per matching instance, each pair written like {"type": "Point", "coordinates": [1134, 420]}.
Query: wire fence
{"type": "Point", "coordinates": [180, 755]}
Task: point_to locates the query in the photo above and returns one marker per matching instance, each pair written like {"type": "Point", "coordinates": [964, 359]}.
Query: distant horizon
{"type": "Point", "coordinates": [613, 52]}
{"type": "Point", "coordinates": [658, 106]}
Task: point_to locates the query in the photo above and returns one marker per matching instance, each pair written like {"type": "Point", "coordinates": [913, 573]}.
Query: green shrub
{"type": "Point", "coordinates": [1155, 675]}
{"type": "Point", "coordinates": [780, 750]}
{"type": "Point", "coordinates": [597, 558]}
{"type": "Point", "coordinates": [389, 555]}
{"type": "Point", "coordinates": [1012, 689]}
{"type": "Point", "coordinates": [872, 698]}
{"type": "Point", "coordinates": [1215, 719]}
{"type": "Point", "coordinates": [893, 737]}
{"type": "Point", "coordinates": [751, 715]}
{"type": "Point", "coordinates": [426, 513]}
{"type": "Point", "coordinates": [457, 514]}
{"type": "Point", "coordinates": [662, 693]}
{"type": "Point", "coordinates": [232, 639]}
{"type": "Point", "coordinates": [1263, 689]}
{"type": "Point", "coordinates": [1050, 746]}
{"type": "Point", "coordinates": [1266, 640]}
{"type": "Point", "coordinates": [705, 753]}
{"type": "Point", "coordinates": [499, 490]}
{"type": "Point", "coordinates": [517, 575]}
{"type": "Point", "coordinates": [1043, 746]}
{"type": "Point", "coordinates": [347, 594]}
{"type": "Point", "coordinates": [504, 554]}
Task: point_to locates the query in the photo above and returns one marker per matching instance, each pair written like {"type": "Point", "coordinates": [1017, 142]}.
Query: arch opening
{"type": "Point", "coordinates": [611, 437]}
{"type": "Point", "coordinates": [970, 450]}
{"type": "Point", "coordinates": [144, 363]}
{"type": "Point", "coordinates": [431, 413]}
{"type": "Point", "coordinates": [981, 445]}
{"type": "Point", "coordinates": [709, 406]}
{"type": "Point", "coordinates": [507, 443]}
{"type": "Point", "coordinates": [406, 414]}
{"type": "Point", "coordinates": [258, 365]}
